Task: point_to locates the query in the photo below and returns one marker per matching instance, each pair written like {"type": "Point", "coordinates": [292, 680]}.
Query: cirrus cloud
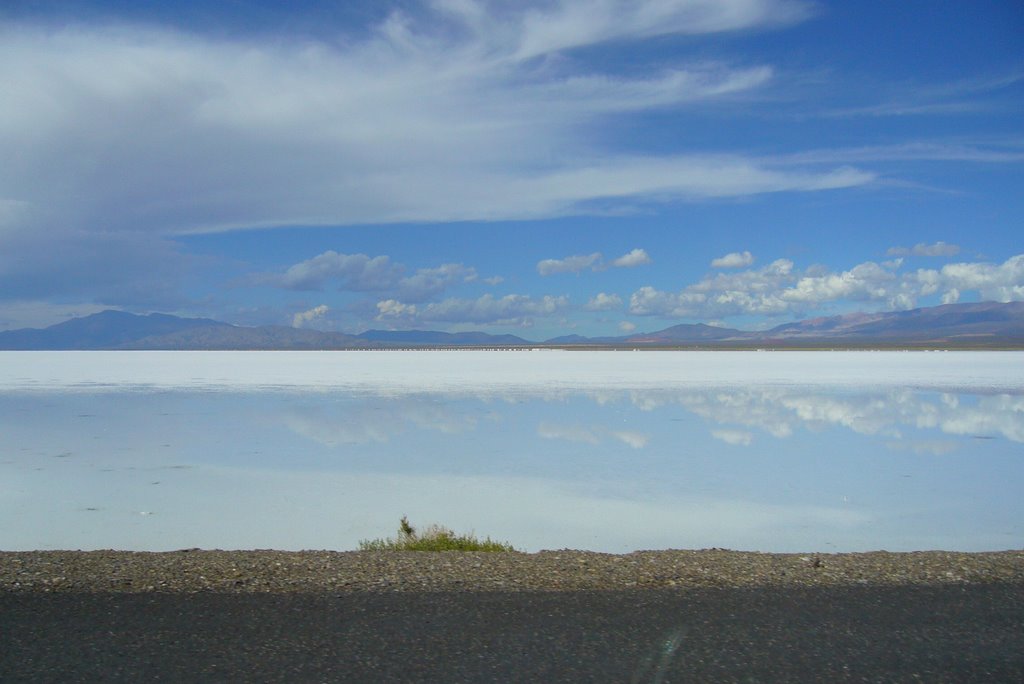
{"type": "Point", "coordinates": [408, 120]}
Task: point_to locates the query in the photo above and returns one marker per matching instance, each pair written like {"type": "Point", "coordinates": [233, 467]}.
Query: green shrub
{"type": "Point", "coordinates": [434, 538]}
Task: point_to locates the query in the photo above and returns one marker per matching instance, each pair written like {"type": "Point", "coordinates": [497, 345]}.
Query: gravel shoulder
{"type": "Point", "coordinates": [240, 572]}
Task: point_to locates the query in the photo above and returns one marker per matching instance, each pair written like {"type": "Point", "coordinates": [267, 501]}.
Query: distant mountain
{"type": "Point", "coordinates": [104, 330]}
{"type": "Point", "coordinates": [575, 339]}
{"type": "Point", "coordinates": [121, 330]}
{"type": "Point", "coordinates": [969, 324]}
{"type": "Point", "coordinates": [982, 323]}
{"type": "Point", "coordinates": [689, 333]}
{"type": "Point", "coordinates": [684, 334]}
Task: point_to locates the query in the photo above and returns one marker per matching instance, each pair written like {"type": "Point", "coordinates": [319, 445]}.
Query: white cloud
{"type": "Point", "coordinates": [512, 309]}
{"type": "Point", "coordinates": [376, 421]}
{"type": "Point", "coordinates": [428, 282]}
{"type": "Point", "coordinates": [999, 282]}
{"type": "Point", "coordinates": [636, 257]}
{"type": "Point", "coordinates": [867, 281]}
{"type": "Point", "coordinates": [780, 411]}
{"type": "Point", "coordinates": [734, 437]}
{"type": "Point", "coordinates": [939, 249]}
{"type": "Point", "coordinates": [779, 288]}
{"type": "Point", "coordinates": [591, 435]}
{"type": "Point", "coordinates": [360, 273]}
{"type": "Point", "coordinates": [636, 440]}
{"type": "Point", "coordinates": [985, 152]}
{"type": "Point", "coordinates": [733, 260]}
{"type": "Point", "coordinates": [626, 327]}
{"type": "Point", "coordinates": [753, 291]}
{"type": "Point", "coordinates": [570, 433]}
{"type": "Point", "coordinates": [303, 317]}
{"type": "Point", "coordinates": [570, 264]}
{"type": "Point", "coordinates": [957, 97]}
{"type": "Point", "coordinates": [441, 113]}
{"type": "Point", "coordinates": [392, 308]}
{"type": "Point", "coordinates": [604, 302]}
{"type": "Point", "coordinates": [572, 24]}
{"type": "Point", "coordinates": [351, 272]}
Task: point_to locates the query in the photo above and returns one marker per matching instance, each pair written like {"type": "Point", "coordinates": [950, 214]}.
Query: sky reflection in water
{"type": "Point", "coordinates": [762, 467]}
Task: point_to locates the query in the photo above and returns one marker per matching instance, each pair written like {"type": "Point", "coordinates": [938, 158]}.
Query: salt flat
{"type": "Point", "coordinates": [605, 451]}
{"type": "Point", "coordinates": [482, 371]}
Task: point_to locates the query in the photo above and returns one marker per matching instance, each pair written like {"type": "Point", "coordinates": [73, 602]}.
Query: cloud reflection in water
{"type": "Point", "coordinates": [760, 467]}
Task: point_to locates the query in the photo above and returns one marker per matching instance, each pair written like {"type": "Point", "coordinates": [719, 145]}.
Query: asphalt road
{"type": "Point", "coordinates": [932, 634]}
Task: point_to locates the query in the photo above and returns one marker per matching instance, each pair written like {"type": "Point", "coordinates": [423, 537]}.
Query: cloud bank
{"type": "Point", "coordinates": [187, 132]}
{"type": "Point", "coordinates": [781, 289]}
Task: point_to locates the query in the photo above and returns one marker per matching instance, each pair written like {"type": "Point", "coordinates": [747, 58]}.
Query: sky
{"type": "Point", "coordinates": [538, 168]}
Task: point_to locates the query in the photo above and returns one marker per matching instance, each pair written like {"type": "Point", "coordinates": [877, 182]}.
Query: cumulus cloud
{"type": "Point", "coordinates": [636, 257]}
{"type": "Point", "coordinates": [778, 411]}
{"type": "Point", "coordinates": [626, 327]}
{"type": "Point", "coordinates": [570, 264]}
{"type": "Point", "coordinates": [428, 282]}
{"type": "Point", "coordinates": [753, 291]}
{"type": "Point", "coordinates": [604, 302]}
{"type": "Point", "coordinates": [512, 309]}
{"type": "Point", "coordinates": [392, 308]}
{"type": "Point", "coordinates": [939, 249]}
{"type": "Point", "coordinates": [350, 271]}
{"type": "Point", "coordinates": [361, 273]}
{"type": "Point", "coordinates": [303, 317]}
{"type": "Point", "coordinates": [780, 288]}
{"type": "Point", "coordinates": [867, 281]}
{"type": "Point", "coordinates": [733, 260]}
{"type": "Point", "coordinates": [999, 282]}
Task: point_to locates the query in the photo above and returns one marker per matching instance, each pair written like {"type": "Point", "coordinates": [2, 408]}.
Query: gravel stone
{"type": "Point", "coordinates": [264, 571]}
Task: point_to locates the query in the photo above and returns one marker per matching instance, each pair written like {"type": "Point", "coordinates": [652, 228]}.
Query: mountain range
{"type": "Point", "coordinates": [981, 324]}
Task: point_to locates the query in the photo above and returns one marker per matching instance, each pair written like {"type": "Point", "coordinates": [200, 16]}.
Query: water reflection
{"type": "Point", "coordinates": [767, 468]}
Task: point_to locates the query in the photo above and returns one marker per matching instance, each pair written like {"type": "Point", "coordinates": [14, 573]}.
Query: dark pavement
{"type": "Point", "coordinates": [876, 634]}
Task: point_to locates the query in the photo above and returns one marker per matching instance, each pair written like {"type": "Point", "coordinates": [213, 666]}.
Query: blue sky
{"type": "Point", "coordinates": [539, 168]}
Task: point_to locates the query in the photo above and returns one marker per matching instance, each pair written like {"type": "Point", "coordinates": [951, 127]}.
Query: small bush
{"type": "Point", "coordinates": [434, 538]}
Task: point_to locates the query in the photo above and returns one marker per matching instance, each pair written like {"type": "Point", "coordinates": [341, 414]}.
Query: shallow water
{"type": "Point", "coordinates": [604, 451]}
